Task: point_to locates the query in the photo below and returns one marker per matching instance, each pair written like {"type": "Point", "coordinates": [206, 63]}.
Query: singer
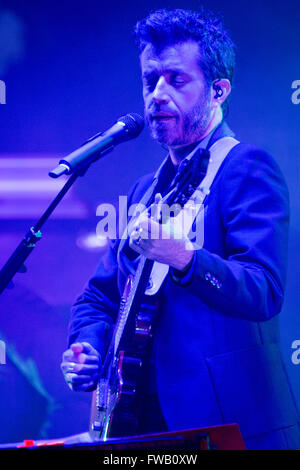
{"type": "Point", "coordinates": [215, 355]}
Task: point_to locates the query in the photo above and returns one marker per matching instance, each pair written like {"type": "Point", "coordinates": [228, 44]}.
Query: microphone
{"type": "Point", "coordinates": [127, 127]}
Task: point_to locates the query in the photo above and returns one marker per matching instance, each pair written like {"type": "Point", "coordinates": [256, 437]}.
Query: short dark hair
{"type": "Point", "coordinates": [164, 27]}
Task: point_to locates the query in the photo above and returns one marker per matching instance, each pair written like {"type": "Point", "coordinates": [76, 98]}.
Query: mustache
{"type": "Point", "coordinates": [157, 110]}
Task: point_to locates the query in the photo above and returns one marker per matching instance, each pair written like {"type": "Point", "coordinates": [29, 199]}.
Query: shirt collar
{"type": "Point", "coordinates": [221, 130]}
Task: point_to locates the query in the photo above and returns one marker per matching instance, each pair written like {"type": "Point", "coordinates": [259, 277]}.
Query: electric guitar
{"type": "Point", "coordinates": [114, 402]}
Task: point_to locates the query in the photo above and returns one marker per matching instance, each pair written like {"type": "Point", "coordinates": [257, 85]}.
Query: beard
{"type": "Point", "coordinates": [178, 132]}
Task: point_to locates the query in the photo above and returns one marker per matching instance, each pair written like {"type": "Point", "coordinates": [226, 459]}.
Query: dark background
{"type": "Point", "coordinates": [71, 69]}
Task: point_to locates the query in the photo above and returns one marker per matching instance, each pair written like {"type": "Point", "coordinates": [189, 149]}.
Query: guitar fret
{"type": "Point", "coordinates": [123, 314]}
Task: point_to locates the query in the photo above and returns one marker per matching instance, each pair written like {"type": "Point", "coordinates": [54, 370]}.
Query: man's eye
{"type": "Point", "coordinates": [177, 81]}
{"type": "Point", "coordinates": [150, 86]}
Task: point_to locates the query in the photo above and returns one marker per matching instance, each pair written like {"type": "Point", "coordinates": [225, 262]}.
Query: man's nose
{"type": "Point", "coordinates": [160, 93]}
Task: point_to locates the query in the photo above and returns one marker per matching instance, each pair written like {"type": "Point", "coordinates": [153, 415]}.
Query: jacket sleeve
{"type": "Point", "coordinates": [248, 280]}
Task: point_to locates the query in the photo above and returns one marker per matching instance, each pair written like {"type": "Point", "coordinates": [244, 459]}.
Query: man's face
{"type": "Point", "coordinates": [176, 97]}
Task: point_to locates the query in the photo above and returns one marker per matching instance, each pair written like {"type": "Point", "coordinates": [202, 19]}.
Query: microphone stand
{"type": "Point", "coordinates": [16, 261]}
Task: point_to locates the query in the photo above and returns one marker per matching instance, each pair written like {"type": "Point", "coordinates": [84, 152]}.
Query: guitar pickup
{"type": "Point", "coordinates": [97, 426]}
{"type": "Point", "coordinates": [128, 390]}
{"type": "Point", "coordinates": [132, 361]}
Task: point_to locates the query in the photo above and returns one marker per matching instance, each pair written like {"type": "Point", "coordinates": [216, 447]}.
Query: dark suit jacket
{"type": "Point", "coordinates": [216, 347]}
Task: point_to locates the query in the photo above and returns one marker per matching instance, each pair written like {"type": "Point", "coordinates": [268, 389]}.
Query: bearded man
{"type": "Point", "coordinates": [215, 357]}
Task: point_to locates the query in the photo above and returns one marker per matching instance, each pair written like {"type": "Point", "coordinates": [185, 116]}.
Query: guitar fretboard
{"type": "Point", "coordinates": [126, 304]}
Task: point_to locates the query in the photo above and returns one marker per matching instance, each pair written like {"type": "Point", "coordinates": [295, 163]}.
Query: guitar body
{"type": "Point", "coordinates": [115, 408]}
{"type": "Point", "coordinates": [115, 400]}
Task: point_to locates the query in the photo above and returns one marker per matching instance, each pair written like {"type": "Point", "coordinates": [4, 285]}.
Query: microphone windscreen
{"type": "Point", "coordinates": [134, 123]}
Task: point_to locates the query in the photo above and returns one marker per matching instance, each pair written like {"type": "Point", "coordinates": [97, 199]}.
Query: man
{"type": "Point", "coordinates": [215, 356]}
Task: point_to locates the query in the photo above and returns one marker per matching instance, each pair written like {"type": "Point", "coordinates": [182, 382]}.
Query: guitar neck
{"type": "Point", "coordinates": [133, 293]}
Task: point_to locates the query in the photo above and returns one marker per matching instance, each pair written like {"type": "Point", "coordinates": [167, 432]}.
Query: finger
{"type": "Point", "coordinates": [151, 228]}
{"type": "Point", "coordinates": [87, 387]}
{"type": "Point", "coordinates": [79, 368]}
{"type": "Point", "coordinates": [157, 198]}
{"type": "Point", "coordinates": [69, 356]}
{"type": "Point", "coordinates": [83, 347]}
{"type": "Point", "coordinates": [138, 247]}
{"type": "Point", "coordinates": [77, 348]}
{"type": "Point", "coordinates": [140, 226]}
{"type": "Point", "coordinates": [72, 353]}
{"type": "Point", "coordinates": [157, 206]}
{"type": "Point", "coordinates": [80, 379]}
{"type": "Point", "coordinates": [87, 359]}
{"type": "Point", "coordinates": [82, 352]}
{"type": "Point", "coordinates": [136, 234]}
{"type": "Point", "coordinates": [88, 348]}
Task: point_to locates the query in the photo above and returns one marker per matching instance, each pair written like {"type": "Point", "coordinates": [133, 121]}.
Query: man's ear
{"type": "Point", "coordinates": [221, 89]}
